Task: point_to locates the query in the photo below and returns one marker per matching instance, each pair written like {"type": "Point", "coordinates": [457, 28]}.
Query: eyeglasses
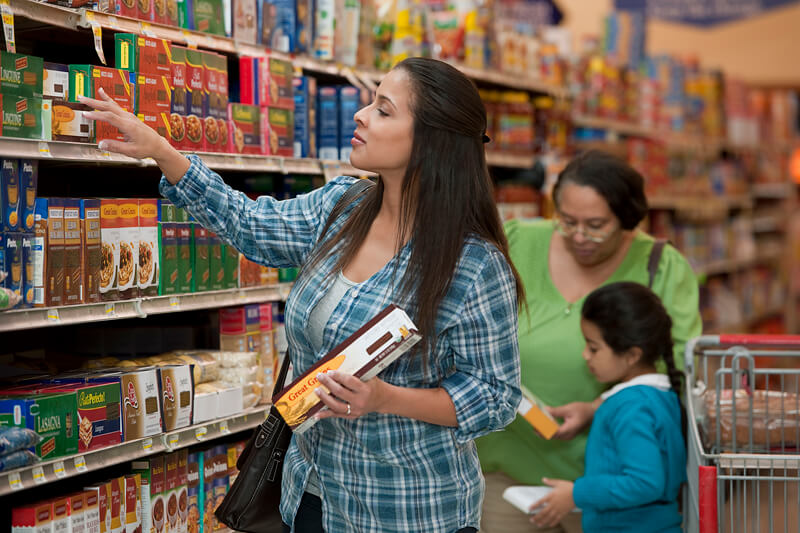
{"type": "Point", "coordinates": [570, 229]}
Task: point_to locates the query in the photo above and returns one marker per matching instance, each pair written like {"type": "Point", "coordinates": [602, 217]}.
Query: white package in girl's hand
{"type": "Point", "coordinates": [523, 496]}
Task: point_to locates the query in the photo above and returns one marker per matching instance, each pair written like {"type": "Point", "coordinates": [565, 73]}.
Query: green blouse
{"type": "Point", "coordinates": [550, 345]}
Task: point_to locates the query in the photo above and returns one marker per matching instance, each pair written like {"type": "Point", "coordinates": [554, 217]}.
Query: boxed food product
{"type": "Point", "coordinates": [62, 509]}
{"type": "Point", "coordinates": [24, 117]}
{"type": "Point", "coordinates": [10, 195]}
{"type": "Point", "coordinates": [133, 503]}
{"type": "Point", "coordinates": [245, 27]}
{"type": "Point", "coordinates": [70, 123]}
{"type": "Point", "coordinates": [91, 249]}
{"type": "Point", "coordinates": [86, 80]}
{"type": "Point", "coordinates": [116, 505]}
{"type": "Point", "coordinates": [267, 348]}
{"type": "Point", "coordinates": [349, 104]}
{"type": "Point", "coordinates": [22, 75]}
{"type": "Point", "coordinates": [27, 270]}
{"type": "Point", "coordinates": [208, 16]}
{"type": "Point", "coordinates": [274, 80]}
{"type": "Point", "coordinates": [101, 494]}
{"type": "Point", "coordinates": [328, 124]}
{"type": "Point", "coordinates": [231, 266]}
{"type": "Point", "coordinates": [14, 264]}
{"type": "Point", "coordinates": [141, 411]}
{"type": "Point", "coordinates": [168, 258]}
{"type": "Point", "coordinates": [240, 328]}
{"type": "Point", "coordinates": [153, 487]}
{"type": "Point", "coordinates": [324, 29]}
{"type": "Point", "coordinates": [201, 264]}
{"type": "Point", "coordinates": [39, 252]}
{"type": "Point", "coordinates": [179, 107]}
{"type": "Point", "coordinates": [194, 492]}
{"type": "Point", "coordinates": [32, 518]}
{"type": "Point", "coordinates": [177, 393]}
{"type": "Point", "coordinates": [91, 511]}
{"type": "Point", "coordinates": [182, 490]}
{"type": "Point", "coordinates": [363, 354]}
{"type": "Point", "coordinates": [204, 366]}
{"type": "Point", "coordinates": [110, 247]}
{"type": "Point", "coordinates": [184, 258]}
{"type": "Point", "coordinates": [28, 179]}
{"type": "Point", "coordinates": [211, 74]}
{"type": "Point", "coordinates": [276, 24]}
{"type": "Point", "coordinates": [209, 475]}
{"type": "Point", "coordinates": [277, 132]}
{"type": "Point", "coordinates": [534, 411]}
{"type": "Point", "coordinates": [186, 14]}
{"type": "Point", "coordinates": [172, 17]}
{"type": "Point", "coordinates": [128, 284]}
{"type": "Point", "coordinates": [221, 105]}
{"type": "Point", "coordinates": [345, 39]}
{"type": "Point", "coordinates": [73, 271]}
{"type": "Point", "coordinates": [171, 490]}
{"type": "Point", "coordinates": [305, 133]}
{"type": "Point", "coordinates": [304, 29]}
{"type": "Point", "coordinates": [55, 254]}
{"type": "Point", "coordinates": [153, 94]}
{"type": "Point", "coordinates": [55, 81]}
{"type": "Point", "coordinates": [52, 416]}
{"type": "Point", "coordinates": [148, 270]}
{"type": "Point", "coordinates": [145, 10]}
{"type": "Point", "coordinates": [195, 81]}
{"type": "Point", "coordinates": [216, 264]}
{"type": "Point", "coordinates": [245, 134]}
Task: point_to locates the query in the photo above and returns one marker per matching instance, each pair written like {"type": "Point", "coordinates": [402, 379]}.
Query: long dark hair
{"type": "Point", "coordinates": [616, 181]}
{"type": "Point", "coordinates": [630, 315]}
{"type": "Point", "coordinates": [446, 192]}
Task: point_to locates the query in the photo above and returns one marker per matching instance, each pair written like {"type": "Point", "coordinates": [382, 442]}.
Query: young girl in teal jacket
{"type": "Point", "coordinates": [636, 453]}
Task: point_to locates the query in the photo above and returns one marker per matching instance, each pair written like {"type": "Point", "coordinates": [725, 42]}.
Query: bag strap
{"type": "Point", "coordinates": [654, 260]}
{"type": "Point", "coordinates": [350, 195]}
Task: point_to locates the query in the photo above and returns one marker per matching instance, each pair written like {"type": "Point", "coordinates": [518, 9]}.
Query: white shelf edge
{"type": "Point", "coordinates": [130, 451]}
{"type": "Point", "coordinates": [37, 317]}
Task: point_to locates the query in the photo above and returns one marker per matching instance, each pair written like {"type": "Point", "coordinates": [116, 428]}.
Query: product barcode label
{"type": "Point", "coordinates": [52, 315]}
{"type": "Point", "coordinates": [80, 464]}
{"type": "Point", "coordinates": [44, 150]}
{"type": "Point", "coordinates": [58, 470]}
{"type": "Point", "coordinates": [200, 433]}
{"type": "Point", "coordinates": [15, 481]}
{"type": "Point", "coordinates": [111, 310]}
{"type": "Point", "coordinates": [38, 475]}
{"type": "Point", "coordinates": [147, 445]}
{"type": "Point", "coordinates": [174, 302]}
{"type": "Point", "coordinates": [223, 427]}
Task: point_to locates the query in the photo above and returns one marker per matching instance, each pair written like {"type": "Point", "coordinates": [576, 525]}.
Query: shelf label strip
{"type": "Point", "coordinates": [15, 481]}
{"type": "Point", "coordinates": [80, 464]}
{"type": "Point", "coordinates": [38, 475]}
{"type": "Point", "coordinates": [58, 469]}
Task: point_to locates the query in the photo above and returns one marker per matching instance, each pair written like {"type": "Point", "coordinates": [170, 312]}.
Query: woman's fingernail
{"type": "Point", "coordinates": [318, 391]}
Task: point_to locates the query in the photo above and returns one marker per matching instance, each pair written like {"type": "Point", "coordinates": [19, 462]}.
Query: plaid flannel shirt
{"type": "Point", "coordinates": [380, 472]}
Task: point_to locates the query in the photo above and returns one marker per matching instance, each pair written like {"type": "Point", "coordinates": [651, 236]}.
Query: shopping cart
{"type": "Point", "coordinates": [743, 407]}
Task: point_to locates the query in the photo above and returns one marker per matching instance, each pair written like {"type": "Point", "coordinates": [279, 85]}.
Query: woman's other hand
{"type": "Point", "coordinates": [349, 397]}
{"type": "Point", "coordinates": [141, 141]}
{"type": "Point", "coordinates": [576, 415]}
{"type": "Point", "coordinates": [555, 505]}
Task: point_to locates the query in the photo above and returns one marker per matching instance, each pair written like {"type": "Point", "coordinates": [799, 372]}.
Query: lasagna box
{"type": "Point", "coordinates": [364, 354]}
{"type": "Point", "coordinates": [51, 415]}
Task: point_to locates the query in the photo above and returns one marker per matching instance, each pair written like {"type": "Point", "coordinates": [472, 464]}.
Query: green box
{"type": "Point", "coordinates": [184, 258]}
{"type": "Point", "coordinates": [201, 278]}
{"type": "Point", "coordinates": [287, 275]}
{"type": "Point", "coordinates": [53, 416]}
{"type": "Point", "coordinates": [168, 258]}
{"type": "Point", "coordinates": [216, 263]}
{"type": "Point", "coordinates": [21, 75]}
{"type": "Point", "coordinates": [208, 16]}
{"type": "Point", "coordinates": [181, 215]}
{"type": "Point", "coordinates": [80, 82]}
{"type": "Point", "coordinates": [23, 116]}
{"type": "Point", "coordinates": [125, 52]}
{"type": "Point", "coordinates": [231, 261]}
{"type": "Point", "coordinates": [166, 211]}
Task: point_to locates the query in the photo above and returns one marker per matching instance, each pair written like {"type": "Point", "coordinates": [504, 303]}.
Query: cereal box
{"type": "Point", "coordinates": [109, 252]}
{"type": "Point", "coordinates": [305, 133]}
{"type": "Point", "coordinates": [245, 27]}
{"type": "Point", "coordinates": [28, 179]}
{"type": "Point", "coordinates": [116, 505]}
{"type": "Point", "coordinates": [73, 271]}
{"type": "Point", "coordinates": [55, 254]}
{"type": "Point", "coordinates": [128, 248]}
{"type": "Point", "coordinates": [201, 263]}
{"type": "Point", "coordinates": [55, 79]}
{"type": "Point", "coordinates": [349, 105]}
{"type": "Point", "coordinates": [52, 416]}
{"type": "Point", "coordinates": [24, 116]}
{"type": "Point", "coordinates": [133, 503]}
{"type": "Point", "coordinates": [77, 512]}
{"type": "Point", "coordinates": [195, 80]}
{"type": "Point", "coordinates": [364, 354]}
{"type": "Point", "coordinates": [10, 194]}
{"type": "Point", "coordinates": [276, 22]}
{"type": "Point", "coordinates": [91, 510]}
{"type": "Point", "coordinates": [27, 269]}
{"type": "Point", "coordinates": [245, 134]}
{"type": "Point", "coordinates": [32, 518]}
{"type": "Point", "coordinates": [276, 83]}
{"type": "Point", "coordinates": [91, 249]}
{"type": "Point", "coordinates": [39, 252]}
{"type": "Point", "coordinates": [179, 107]}
{"type": "Point", "coordinates": [148, 270]}
{"type": "Point", "coordinates": [22, 75]}
{"type": "Point", "coordinates": [277, 132]}
{"type": "Point", "coordinates": [327, 123]}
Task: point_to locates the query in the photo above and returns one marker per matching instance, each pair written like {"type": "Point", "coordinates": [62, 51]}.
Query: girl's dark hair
{"type": "Point", "coordinates": [631, 315]}
{"type": "Point", "coordinates": [618, 183]}
{"type": "Point", "coordinates": [446, 192]}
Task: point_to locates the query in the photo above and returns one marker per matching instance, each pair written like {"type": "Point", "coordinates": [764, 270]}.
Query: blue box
{"type": "Point", "coordinates": [305, 134]}
{"type": "Point", "coordinates": [27, 270]}
{"type": "Point", "coordinates": [349, 104]}
{"type": "Point", "coordinates": [10, 195]}
{"type": "Point", "coordinates": [14, 264]}
{"type": "Point", "coordinates": [328, 123]}
{"type": "Point", "coordinates": [276, 24]}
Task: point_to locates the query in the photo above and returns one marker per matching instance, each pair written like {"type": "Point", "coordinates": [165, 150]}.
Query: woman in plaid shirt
{"type": "Point", "coordinates": [395, 453]}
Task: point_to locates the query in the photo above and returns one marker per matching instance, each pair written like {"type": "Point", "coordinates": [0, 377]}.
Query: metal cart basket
{"type": "Point", "coordinates": [743, 407]}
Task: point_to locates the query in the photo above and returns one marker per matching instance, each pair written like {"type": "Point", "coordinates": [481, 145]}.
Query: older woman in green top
{"type": "Point", "coordinates": [592, 241]}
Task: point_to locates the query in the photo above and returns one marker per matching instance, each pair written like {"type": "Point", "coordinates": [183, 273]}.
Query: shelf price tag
{"type": "Point", "coordinates": [223, 427]}
{"type": "Point", "coordinates": [80, 464]}
{"type": "Point", "coordinates": [200, 433]}
{"type": "Point", "coordinates": [97, 32]}
{"type": "Point", "coordinates": [146, 29]}
{"type": "Point", "coordinates": [172, 441]}
{"type": "Point", "coordinates": [147, 445]}
{"type": "Point", "coordinates": [8, 25]}
{"type": "Point", "coordinates": [15, 481]}
{"type": "Point", "coordinates": [58, 469]}
{"type": "Point", "coordinates": [174, 302]}
{"type": "Point", "coordinates": [38, 475]}
{"type": "Point", "coordinates": [44, 150]}
{"type": "Point", "coordinates": [53, 316]}
{"type": "Point", "coordinates": [190, 42]}
{"type": "Point", "coordinates": [111, 310]}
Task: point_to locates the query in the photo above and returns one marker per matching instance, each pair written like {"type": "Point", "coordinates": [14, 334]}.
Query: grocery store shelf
{"type": "Point", "coordinates": [691, 203]}
{"type": "Point", "coordinates": [727, 266]}
{"type": "Point", "coordinates": [768, 223]}
{"type": "Point", "coordinates": [776, 191]}
{"type": "Point", "coordinates": [140, 307]}
{"type": "Point", "coordinates": [499, 159]}
{"type": "Point", "coordinates": [672, 140]}
{"type": "Point", "coordinates": [63, 467]}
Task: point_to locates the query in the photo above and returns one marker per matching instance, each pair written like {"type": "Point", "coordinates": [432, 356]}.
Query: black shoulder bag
{"type": "Point", "coordinates": [653, 260]}
{"type": "Point", "coordinates": [252, 502]}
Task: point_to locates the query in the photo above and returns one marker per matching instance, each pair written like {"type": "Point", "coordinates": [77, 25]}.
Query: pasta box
{"type": "Point", "coordinates": [73, 271]}
{"type": "Point", "coordinates": [148, 270]}
{"type": "Point", "coordinates": [24, 116]}
{"type": "Point", "coordinates": [179, 97]}
{"type": "Point", "coordinates": [22, 75]}
{"type": "Point", "coordinates": [52, 416]}
{"type": "Point", "coordinates": [277, 131]}
{"type": "Point", "coordinates": [275, 82]}
{"type": "Point", "coordinates": [177, 392]}
{"type": "Point", "coordinates": [55, 81]}
{"type": "Point", "coordinates": [90, 251]}
{"type": "Point", "coordinates": [245, 129]}
{"type": "Point", "coordinates": [10, 195]}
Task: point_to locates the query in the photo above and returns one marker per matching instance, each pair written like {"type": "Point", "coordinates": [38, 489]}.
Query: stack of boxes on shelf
{"type": "Point", "coordinates": [26, 114]}
{"type": "Point", "coordinates": [18, 244]}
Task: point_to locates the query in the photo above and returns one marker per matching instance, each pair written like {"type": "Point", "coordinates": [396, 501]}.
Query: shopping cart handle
{"type": "Point", "coordinates": [762, 340]}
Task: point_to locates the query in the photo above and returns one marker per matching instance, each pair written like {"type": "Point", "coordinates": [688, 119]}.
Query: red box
{"type": "Point", "coordinates": [244, 122]}
{"type": "Point", "coordinates": [145, 10]}
{"type": "Point", "coordinates": [277, 131]}
{"type": "Point", "coordinates": [154, 94]}
{"type": "Point", "coordinates": [276, 83]}
{"type": "Point", "coordinates": [116, 85]}
{"type": "Point", "coordinates": [179, 104]}
{"type": "Point", "coordinates": [195, 84]}
{"type": "Point", "coordinates": [126, 8]}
